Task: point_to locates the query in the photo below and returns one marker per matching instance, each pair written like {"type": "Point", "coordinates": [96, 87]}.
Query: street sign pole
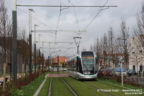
{"type": "Point", "coordinates": [121, 72]}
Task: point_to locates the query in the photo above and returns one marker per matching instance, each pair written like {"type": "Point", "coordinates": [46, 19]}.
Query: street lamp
{"type": "Point", "coordinates": [30, 39]}
{"type": "Point", "coordinates": [77, 42]}
{"type": "Point", "coordinates": [35, 46]}
{"type": "Point", "coordinates": [121, 65]}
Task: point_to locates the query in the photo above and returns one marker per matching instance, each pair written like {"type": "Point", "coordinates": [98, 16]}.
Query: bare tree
{"type": "Point", "coordinates": [124, 37]}
{"type": "Point", "coordinates": [139, 31]}
{"type": "Point", "coordinates": [5, 32]}
{"type": "Point", "coordinates": [139, 34]}
{"type": "Point", "coordinates": [105, 48]}
{"type": "Point", "coordinates": [23, 51]}
{"type": "Point", "coordinates": [111, 37]}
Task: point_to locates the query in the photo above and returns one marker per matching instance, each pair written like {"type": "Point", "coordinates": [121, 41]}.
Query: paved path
{"type": "Point", "coordinates": [47, 76]}
{"type": "Point", "coordinates": [38, 90]}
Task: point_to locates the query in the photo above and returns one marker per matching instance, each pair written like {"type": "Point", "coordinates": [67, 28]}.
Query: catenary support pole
{"type": "Point", "coordinates": [30, 40]}
{"type": "Point", "coordinates": [58, 63]}
{"type": "Point", "coordinates": [14, 31]}
{"type": "Point", "coordinates": [35, 47]}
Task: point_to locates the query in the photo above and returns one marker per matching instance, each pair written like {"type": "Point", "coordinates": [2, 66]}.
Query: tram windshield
{"type": "Point", "coordinates": [88, 61]}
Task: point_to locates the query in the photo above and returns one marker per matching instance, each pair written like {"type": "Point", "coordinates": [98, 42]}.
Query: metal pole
{"type": "Point", "coordinates": [30, 40]}
{"type": "Point", "coordinates": [35, 47]}
{"type": "Point", "coordinates": [121, 73]}
{"type": "Point", "coordinates": [49, 57]}
{"type": "Point", "coordinates": [14, 30]}
{"type": "Point", "coordinates": [48, 62]}
{"type": "Point", "coordinates": [39, 58]}
{"type": "Point", "coordinates": [66, 6]}
{"type": "Point", "coordinates": [42, 62]}
{"type": "Point", "coordinates": [35, 56]}
{"type": "Point", "coordinates": [58, 63]}
{"type": "Point", "coordinates": [78, 49]}
{"type": "Point", "coordinates": [77, 43]}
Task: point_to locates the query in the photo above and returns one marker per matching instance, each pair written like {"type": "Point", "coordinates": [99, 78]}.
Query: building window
{"type": "Point", "coordinates": [141, 68]}
{"type": "Point", "coordinates": [140, 51]}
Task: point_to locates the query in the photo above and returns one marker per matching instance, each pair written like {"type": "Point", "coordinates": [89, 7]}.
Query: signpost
{"type": "Point", "coordinates": [121, 61]}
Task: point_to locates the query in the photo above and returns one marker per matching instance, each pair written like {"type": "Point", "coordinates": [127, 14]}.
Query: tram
{"type": "Point", "coordinates": [83, 67]}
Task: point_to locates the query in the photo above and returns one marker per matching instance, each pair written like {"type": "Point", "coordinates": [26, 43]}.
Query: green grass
{"type": "Point", "coordinates": [101, 85]}
{"type": "Point", "coordinates": [59, 88]}
{"type": "Point", "coordinates": [45, 88]}
{"type": "Point", "coordinates": [117, 84]}
{"type": "Point", "coordinates": [82, 89]}
{"type": "Point", "coordinates": [29, 89]}
{"type": "Point", "coordinates": [111, 84]}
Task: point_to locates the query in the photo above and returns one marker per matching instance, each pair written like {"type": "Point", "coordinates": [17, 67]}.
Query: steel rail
{"type": "Point", "coordinates": [69, 87]}
{"type": "Point", "coordinates": [50, 87]}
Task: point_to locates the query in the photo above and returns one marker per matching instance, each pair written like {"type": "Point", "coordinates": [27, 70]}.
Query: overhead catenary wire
{"type": "Point", "coordinates": [75, 14]}
{"type": "Point", "coordinates": [34, 16]}
{"type": "Point", "coordinates": [62, 7]}
{"type": "Point", "coordinates": [99, 11]}
{"type": "Point", "coordinates": [58, 22]}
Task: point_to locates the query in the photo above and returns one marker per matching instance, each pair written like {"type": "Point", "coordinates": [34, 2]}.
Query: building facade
{"type": "Point", "coordinates": [58, 61]}
{"type": "Point", "coordinates": [136, 54]}
{"type": "Point", "coordinates": [6, 53]}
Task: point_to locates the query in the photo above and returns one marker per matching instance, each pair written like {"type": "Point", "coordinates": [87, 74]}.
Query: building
{"type": "Point", "coordinates": [111, 59]}
{"type": "Point", "coordinates": [6, 53]}
{"type": "Point", "coordinates": [136, 54]}
{"type": "Point", "coordinates": [58, 61]}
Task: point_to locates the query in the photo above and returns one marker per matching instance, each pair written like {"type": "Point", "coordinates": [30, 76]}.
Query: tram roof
{"type": "Point", "coordinates": [73, 58]}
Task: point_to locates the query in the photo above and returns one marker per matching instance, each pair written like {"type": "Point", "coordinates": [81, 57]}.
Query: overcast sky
{"type": "Point", "coordinates": [76, 19]}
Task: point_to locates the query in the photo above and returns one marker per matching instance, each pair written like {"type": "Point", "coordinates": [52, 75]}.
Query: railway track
{"type": "Point", "coordinates": [69, 87]}
{"type": "Point", "coordinates": [65, 83]}
{"type": "Point", "coordinates": [50, 87]}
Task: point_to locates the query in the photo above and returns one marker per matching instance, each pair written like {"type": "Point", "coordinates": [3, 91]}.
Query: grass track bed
{"type": "Point", "coordinates": [83, 88]}
{"type": "Point", "coordinates": [117, 85]}
{"type": "Point", "coordinates": [45, 88]}
{"type": "Point", "coordinates": [100, 85]}
{"type": "Point", "coordinates": [59, 88]}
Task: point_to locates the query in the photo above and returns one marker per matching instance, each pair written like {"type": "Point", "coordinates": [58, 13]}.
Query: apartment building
{"type": "Point", "coordinates": [136, 54]}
